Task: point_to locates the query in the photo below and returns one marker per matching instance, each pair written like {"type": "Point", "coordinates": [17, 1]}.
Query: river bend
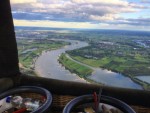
{"type": "Point", "coordinates": [47, 65]}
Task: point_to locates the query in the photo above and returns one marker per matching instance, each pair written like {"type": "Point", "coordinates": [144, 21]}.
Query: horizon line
{"type": "Point", "coordinates": [81, 28]}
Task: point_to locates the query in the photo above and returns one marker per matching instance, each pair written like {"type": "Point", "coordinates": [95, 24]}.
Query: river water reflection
{"type": "Point", "coordinates": [48, 66]}
{"type": "Point", "coordinates": [144, 78]}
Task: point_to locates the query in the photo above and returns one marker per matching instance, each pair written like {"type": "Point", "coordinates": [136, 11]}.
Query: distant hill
{"type": "Point", "coordinates": [97, 31]}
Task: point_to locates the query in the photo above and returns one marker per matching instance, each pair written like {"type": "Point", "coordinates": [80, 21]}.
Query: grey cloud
{"type": "Point", "coordinates": [145, 1]}
{"type": "Point", "coordinates": [65, 10]}
{"type": "Point", "coordinates": [134, 22]}
{"type": "Point", "coordinates": [22, 7]}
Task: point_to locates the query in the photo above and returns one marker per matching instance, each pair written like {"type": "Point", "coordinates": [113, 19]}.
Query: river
{"type": "Point", "coordinates": [47, 65]}
{"type": "Point", "coordinates": [144, 78]}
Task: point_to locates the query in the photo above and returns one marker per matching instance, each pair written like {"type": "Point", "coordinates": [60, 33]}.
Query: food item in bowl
{"type": "Point", "coordinates": [102, 109]}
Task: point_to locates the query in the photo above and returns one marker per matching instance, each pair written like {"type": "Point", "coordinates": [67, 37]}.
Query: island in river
{"type": "Point", "coordinates": [101, 51]}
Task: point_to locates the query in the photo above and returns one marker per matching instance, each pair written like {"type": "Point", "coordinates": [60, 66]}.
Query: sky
{"type": "Point", "coordinates": [86, 14]}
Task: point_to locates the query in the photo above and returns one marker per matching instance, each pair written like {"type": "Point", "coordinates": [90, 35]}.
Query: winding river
{"type": "Point", "coordinates": [47, 65]}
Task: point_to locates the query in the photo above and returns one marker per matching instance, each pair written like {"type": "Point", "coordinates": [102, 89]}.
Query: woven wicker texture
{"type": "Point", "coordinates": [61, 101]}
{"type": "Point", "coordinates": [140, 109]}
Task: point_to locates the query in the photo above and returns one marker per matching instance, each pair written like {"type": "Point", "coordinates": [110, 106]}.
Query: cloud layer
{"type": "Point", "coordinates": [92, 11]}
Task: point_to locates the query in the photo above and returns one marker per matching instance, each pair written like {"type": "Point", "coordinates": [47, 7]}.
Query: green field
{"type": "Point", "coordinates": [125, 57]}
{"type": "Point", "coordinates": [74, 67]}
{"type": "Point", "coordinates": [131, 67]}
{"type": "Point", "coordinates": [118, 51]}
{"type": "Point", "coordinates": [30, 49]}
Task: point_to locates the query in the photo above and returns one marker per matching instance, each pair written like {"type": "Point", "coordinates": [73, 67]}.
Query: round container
{"type": "Point", "coordinates": [85, 99]}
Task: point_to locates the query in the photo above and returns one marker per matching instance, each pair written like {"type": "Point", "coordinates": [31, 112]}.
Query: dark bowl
{"type": "Point", "coordinates": [104, 99]}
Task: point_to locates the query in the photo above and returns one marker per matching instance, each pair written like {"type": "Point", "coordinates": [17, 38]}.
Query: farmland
{"type": "Point", "coordinates": [74, 67]}
{"type": "Point", "coordinates": [30, 49]}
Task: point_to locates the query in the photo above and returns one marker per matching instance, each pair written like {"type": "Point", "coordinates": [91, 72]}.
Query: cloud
{"type": "Point", "coordinates": [22, 1]}
{"type": "Point", "coordinates": [77, 10]}
{"type": "Point", "coordinates": [88, 11]}
{"type": "Point", "coordinates": [103, 2]}
{"type": "Point", "coordinates": [137, 22]}
{"type": "Point", "coordinates": [86, 25]}
{"type": "Point", "coordinates": [145, 1]}
{"type": "Point", "coordinates": [55, 24]}
{"type": "Point", "coordinates": [130, 21]}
